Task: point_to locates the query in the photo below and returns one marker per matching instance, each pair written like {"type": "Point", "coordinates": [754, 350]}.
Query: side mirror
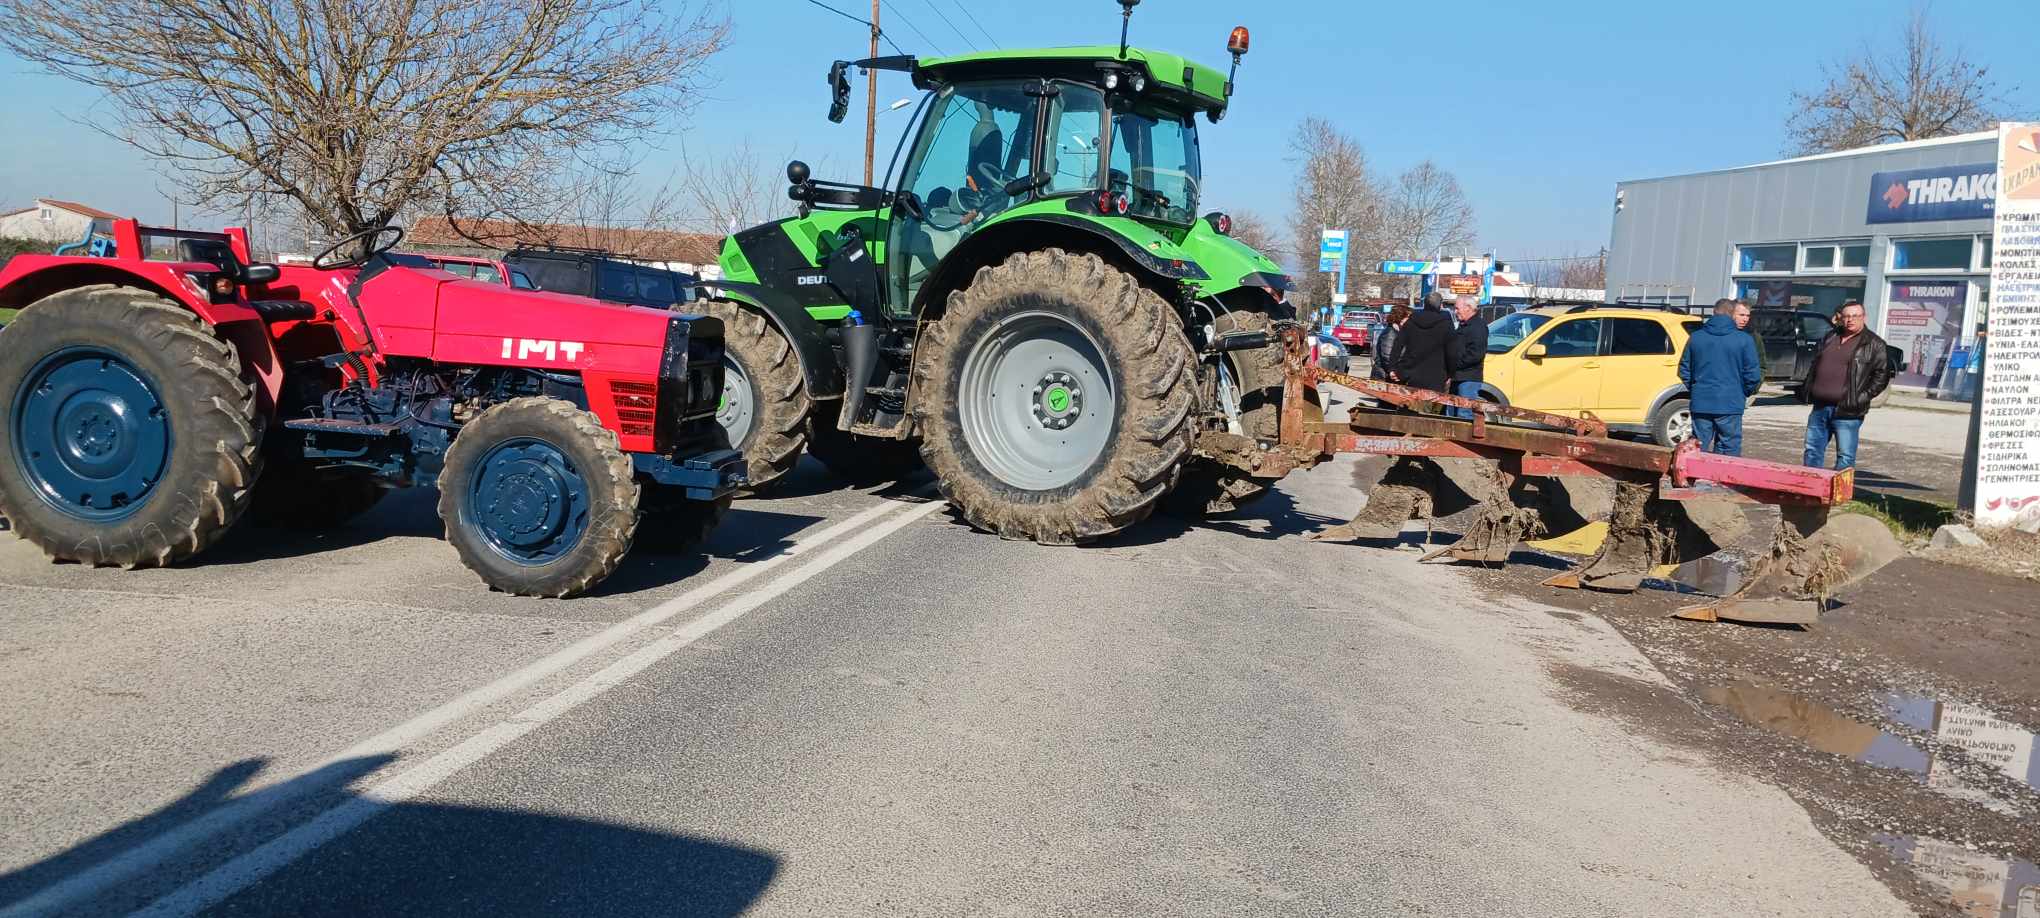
{"type": "Point", "coordinates": [839, 91]}
{"type": "Point", "coordinates": [1536, 352]}
{"type": "Point", "coordinates": [260, 274]}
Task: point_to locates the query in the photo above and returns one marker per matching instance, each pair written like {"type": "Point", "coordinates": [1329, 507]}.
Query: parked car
{"type": "Point", "coordinates": [1355, 331]}
{"type": "Point", "coordinates": [1330, 353]}
{"type": "Point", "coordinates": [584, 272]}
{"type": "Point", "coordinates": [1786, 340]}
{"type": "Point", "coordinates": [486, 270]}
{"type": "Point", "coordinates": [1620, 364]}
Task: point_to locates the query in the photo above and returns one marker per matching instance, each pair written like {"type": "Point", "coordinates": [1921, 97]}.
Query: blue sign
{"type": "Point", "coordinates": [1936, 193]}
{"type": "Point", "coordinates": [1405, 267]}
{"type": "Point", "coordinates": [1331, 254]}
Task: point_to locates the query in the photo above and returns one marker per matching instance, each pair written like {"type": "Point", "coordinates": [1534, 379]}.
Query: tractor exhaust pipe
{"type": "Point", "coordinates": [860, 352]}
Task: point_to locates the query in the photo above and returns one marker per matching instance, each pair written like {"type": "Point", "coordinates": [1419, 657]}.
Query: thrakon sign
{"type": "Point", "coordinates": [1935, 193]}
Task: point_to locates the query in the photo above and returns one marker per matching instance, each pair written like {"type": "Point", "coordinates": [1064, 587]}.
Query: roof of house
{"type": "Point", "coordinates": [640, 244]}
{"type": "Point", "coordinates": [72, 206]}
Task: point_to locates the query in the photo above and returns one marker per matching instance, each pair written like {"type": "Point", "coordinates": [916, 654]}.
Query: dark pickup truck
{"type": "Point", "coordinates": [1786, 340]}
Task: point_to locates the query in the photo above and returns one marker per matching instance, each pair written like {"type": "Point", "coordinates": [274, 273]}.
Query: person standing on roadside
{"type": "Point", "coordinates": [1720, 370]}
{"type": "Point", "coordinates": [1742, 321]}
{"type": "Point", "coordinates": [1423, 351]}
{"type": "Point", "coordinates": [1384, 344]}
{"type": "Point", "coordinates": [1850, 368]}
{"type": "Point", "coordinates": [1469, 352]}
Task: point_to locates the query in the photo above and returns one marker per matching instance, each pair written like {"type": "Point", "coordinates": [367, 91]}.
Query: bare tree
{"type": "Point", "coordinates": [359, 111]}
{"type": "Point", "coordinates": [1926, 89]}
{"type": "Point", "coordinates": [735, 189]}
{"type": "Point", "coordinates": [1428, 213]}
{"type": "Point", "coordinates": [1334, 190]}
{"type": "Point", "coordinates": [1255, 232]}
{"type": "Point", "coordinates": [1565, 275]}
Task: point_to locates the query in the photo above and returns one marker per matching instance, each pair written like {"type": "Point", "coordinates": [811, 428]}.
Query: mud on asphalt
{"type": "Point", "coordinates": [1905, 722]}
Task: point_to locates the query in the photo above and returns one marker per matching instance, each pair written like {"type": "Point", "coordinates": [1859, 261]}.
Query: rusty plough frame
{"type": "Point", "coordinates": [1671, 504]}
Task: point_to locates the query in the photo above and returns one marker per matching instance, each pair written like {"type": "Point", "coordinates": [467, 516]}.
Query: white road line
{"type": "Point", "coordinates": [250, 868]}
{"type": "Point", "coordinates": [171, 844]}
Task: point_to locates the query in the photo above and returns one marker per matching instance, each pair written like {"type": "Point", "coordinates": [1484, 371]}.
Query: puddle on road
{"type": "Point", "coordinates": [1979, 885]}
{"type": "Point", "coordinates": [1985, 738]}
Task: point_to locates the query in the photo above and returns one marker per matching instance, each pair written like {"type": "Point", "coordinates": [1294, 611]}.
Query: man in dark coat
{"type": "Point", "coordinates": [1469, 352]}
{"type": "Point", "coordinates": [1850, 369]}
{"type": "Point", "coordinates": [1423, 352]}
{"type": "Point", "coordinates": [1720, 369]}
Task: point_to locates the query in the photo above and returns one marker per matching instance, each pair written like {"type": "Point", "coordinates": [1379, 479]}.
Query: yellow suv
{"type": "Point", "coordinates": [1620, 364]}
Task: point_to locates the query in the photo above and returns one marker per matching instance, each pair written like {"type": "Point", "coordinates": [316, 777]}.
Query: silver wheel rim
{"type": "Point", "coordinates": [1680, 427]}
{"type": "Point", "coordinates": [1037, 401]}
{"type": "Point", "coordinates": [735, 410]}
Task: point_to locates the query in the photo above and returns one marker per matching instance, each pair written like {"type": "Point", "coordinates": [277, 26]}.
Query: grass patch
{"type": "Point", "coordinates": [1905, 517]}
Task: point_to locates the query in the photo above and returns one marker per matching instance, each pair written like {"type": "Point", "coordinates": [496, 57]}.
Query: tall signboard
{"type": "Point", "coordinates": [2008, 445]}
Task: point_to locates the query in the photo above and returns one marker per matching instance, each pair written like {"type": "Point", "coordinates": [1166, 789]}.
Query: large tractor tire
{"type": "Point", "coordinates": [1054, 397]}
{"type": "Point", "coordinates": [1245, 387]}
{"type": "Point", "coordinates": [765, 402]}
{"type": "Point", "coordinates": [538, 498]}
{"type": "Point", "coordinates": [131, 436]}
{"type": "Point", "coordinates": [856, 459]}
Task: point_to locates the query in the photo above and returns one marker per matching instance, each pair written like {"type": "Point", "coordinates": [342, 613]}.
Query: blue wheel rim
{"type": "Point", "coordinates": [91, 434]}
{"type": "Point", "coordinates": [528, 502]}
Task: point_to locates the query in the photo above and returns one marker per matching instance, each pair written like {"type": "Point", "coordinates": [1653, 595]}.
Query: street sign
{"type": "Point", "coordinates": [1405, 267]}
{"type": "Point", "coordinates": [1332, 251]}
{"type": "Point", "coordinates": [1338, 299]}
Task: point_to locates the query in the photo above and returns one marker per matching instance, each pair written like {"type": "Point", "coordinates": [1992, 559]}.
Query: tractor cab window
{"type": "Point", "coordinates": [1075, 118]}
{"type": "Point", "coordinates": [1154, 162]}
{"type": "Point", "coordinates": [977, 138]}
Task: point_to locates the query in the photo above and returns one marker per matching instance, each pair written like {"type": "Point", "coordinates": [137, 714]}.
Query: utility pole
{"type": "Point", "coordinates": [871, 98]}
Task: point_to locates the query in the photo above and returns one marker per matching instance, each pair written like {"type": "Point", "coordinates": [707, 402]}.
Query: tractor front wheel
{"type": "Point", "coordinates": [131, 437]}
{"type": "Point", "coordinates": [538, 498]}
{"type": "Point", "coordinates": [1056, 394]}
{"type": "Point", "coordinates": [765, 402]}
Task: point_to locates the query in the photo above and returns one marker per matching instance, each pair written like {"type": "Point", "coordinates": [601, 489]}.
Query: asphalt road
{"type": "Point", "coordinates": [855, 705]}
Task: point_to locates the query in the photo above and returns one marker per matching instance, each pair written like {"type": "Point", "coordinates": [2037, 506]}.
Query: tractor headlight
{"type": "Point", "coordinates": [1111, 79]}
{"type": "Point", "coordinates": [1139, 82]}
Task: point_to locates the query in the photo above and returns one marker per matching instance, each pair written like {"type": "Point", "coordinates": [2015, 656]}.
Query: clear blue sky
{"type": "Point", "coordinates": [1538, 108]}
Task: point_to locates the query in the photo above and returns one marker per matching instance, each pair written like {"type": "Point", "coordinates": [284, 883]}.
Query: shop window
{"type": "Point", "coordinates": [1818, 258]}
{"type": "Point", "coordinates": [1931, 254]}
{"type": "Point", "coordinates": [1638, 336]}
{"type": "Point", "coordinates": [1987, 245]}
{"type": "Point", "coordinates": [1759, 258]}
{"type": "Point", "coordinates": [1855, 257]}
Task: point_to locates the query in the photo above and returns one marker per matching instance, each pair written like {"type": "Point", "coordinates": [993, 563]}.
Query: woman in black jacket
{"type": "Point", "coordinates": [1384, 345]}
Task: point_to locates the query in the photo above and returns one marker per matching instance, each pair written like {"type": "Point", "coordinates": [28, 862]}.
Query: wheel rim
{"type": "Point", "coordinates": [1680, 426]}
{"type": "Point", "coordinates": [1037, 402]}
{"type": "Point", "coordinates": [528, 502]}
{"type": "Point", "coordinates": [738, 405]}
{"type": "Point", "coordinates": [91, 434]}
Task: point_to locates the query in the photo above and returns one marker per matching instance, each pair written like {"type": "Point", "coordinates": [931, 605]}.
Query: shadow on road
{"type": "Point", "coordinates": [436, 859]}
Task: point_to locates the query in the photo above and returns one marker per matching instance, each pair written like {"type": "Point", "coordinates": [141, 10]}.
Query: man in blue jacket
{"type": "Point", "coordinates": [1720, 370]}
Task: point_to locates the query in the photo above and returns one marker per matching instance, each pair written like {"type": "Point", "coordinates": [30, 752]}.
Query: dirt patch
{"type": "Point", "coordinates": [1859, 719]}
{"type": "Point", "coordinates": [2006, 552]}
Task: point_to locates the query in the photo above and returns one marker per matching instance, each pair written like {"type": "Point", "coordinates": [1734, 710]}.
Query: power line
{"type": "Point", "coordinates": [917, 29]}
{"type": "Point", "coordinates": [980, 26]}
{"type": "Point", "coordinates": [952, 26]}
{"type": "Point", "coordinates": [863, 22]}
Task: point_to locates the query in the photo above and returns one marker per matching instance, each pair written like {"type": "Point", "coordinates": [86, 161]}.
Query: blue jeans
{"type": "Point", "coordinates": [1822, 425]}
{"type": "Point", "coordinates": [1719, 433]}
{"type": "Point", "coordinates": [1465, 389]}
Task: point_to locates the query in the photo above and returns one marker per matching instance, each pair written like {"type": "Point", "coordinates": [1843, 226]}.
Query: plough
{"type": "Point", "coordinates": [1527, 473]}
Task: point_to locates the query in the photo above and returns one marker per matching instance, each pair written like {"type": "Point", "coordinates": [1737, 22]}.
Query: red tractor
{"type": "Point", "coordinates": [153, 396]}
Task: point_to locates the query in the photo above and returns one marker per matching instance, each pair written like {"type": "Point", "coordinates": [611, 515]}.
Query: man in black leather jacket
{"type": "Point", "coordinates": [1850, 369]}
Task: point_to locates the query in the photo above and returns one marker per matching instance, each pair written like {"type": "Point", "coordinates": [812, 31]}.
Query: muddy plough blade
{"type": "Point", "coordinates": [1524, 474]}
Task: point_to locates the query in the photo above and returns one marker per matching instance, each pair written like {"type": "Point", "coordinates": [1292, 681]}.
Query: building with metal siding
{"type": "Point", "coordinates": [1813, 232]}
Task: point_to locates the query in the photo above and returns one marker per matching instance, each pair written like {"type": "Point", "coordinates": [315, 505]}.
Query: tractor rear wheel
{"type": "Point", "coordinates": [1055, 398]}
{"type": "Point", "coordinates": [1245, 387]}
{"type": "Point", "coordinates": [765, 402]}
{"type": "Point", "coordinates": [538, 498]}
{"type": "Point", "coordinates": [131, 437]}
{"type": "Point", "coordinates": [856, 459]}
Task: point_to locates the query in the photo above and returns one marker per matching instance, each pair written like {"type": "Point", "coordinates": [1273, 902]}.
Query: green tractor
{"type": "Point", "coordinates": [1032, 302]}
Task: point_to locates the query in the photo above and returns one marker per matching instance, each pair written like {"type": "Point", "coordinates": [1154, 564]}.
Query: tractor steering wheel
{"type": "Point", "coordinates": [368, 244]}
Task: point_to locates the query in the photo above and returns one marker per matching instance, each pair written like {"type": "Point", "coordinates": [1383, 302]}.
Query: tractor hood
{"type": "Point", "coordinates": [1230, 262]}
